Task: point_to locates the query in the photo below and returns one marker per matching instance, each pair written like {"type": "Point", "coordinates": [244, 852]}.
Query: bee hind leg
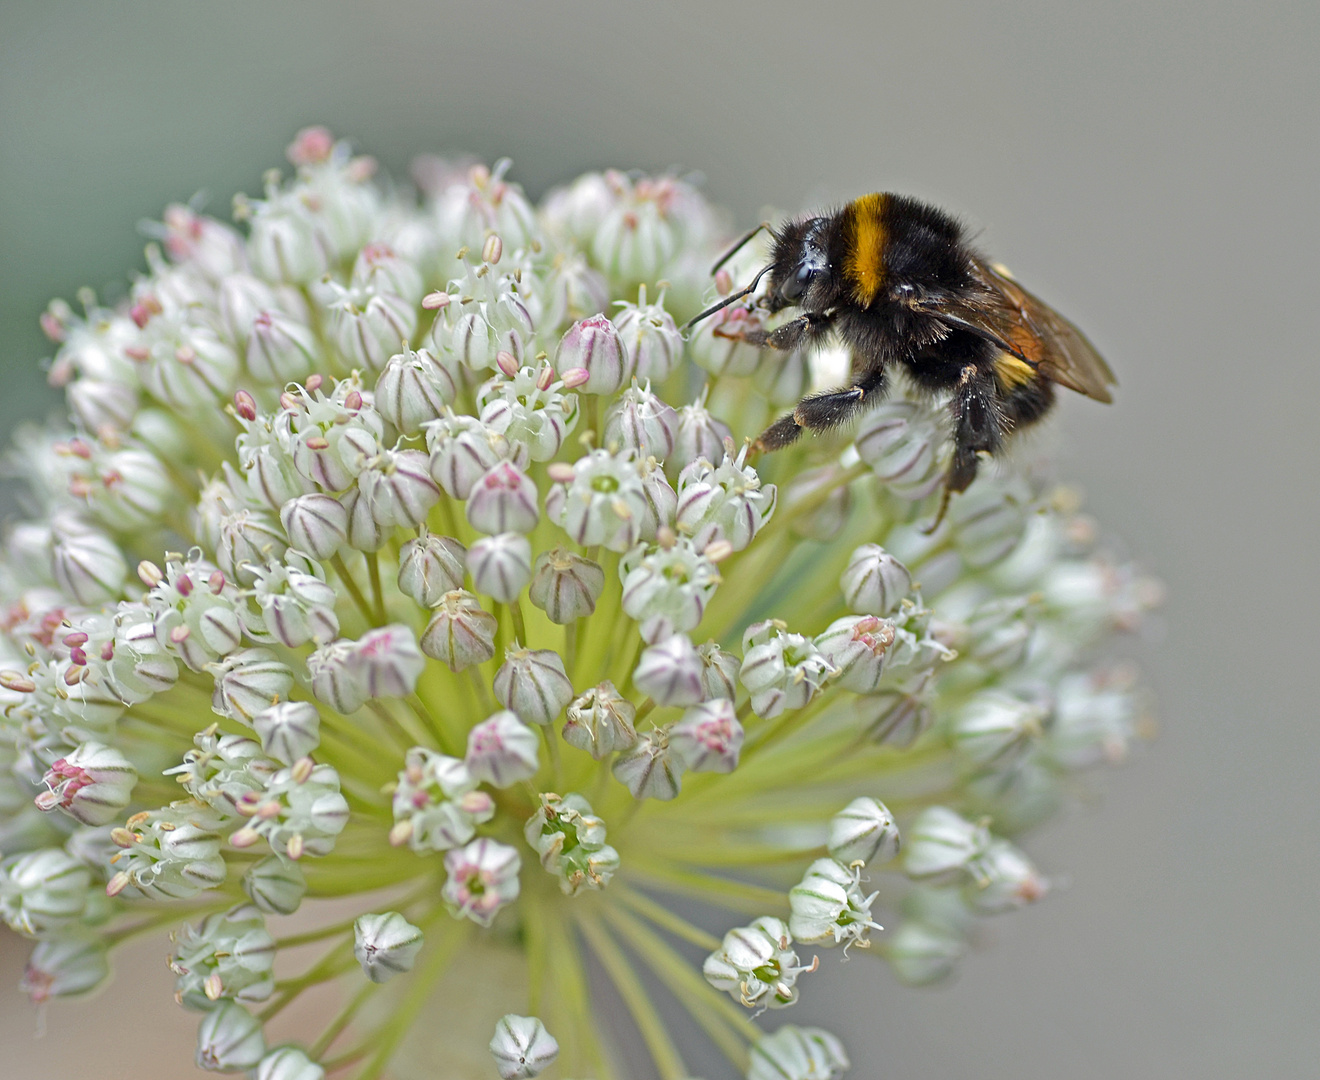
{"type": "Point", "coordinates": [979, 424]}
{"type": "Point", "coordinates": [820, 412]}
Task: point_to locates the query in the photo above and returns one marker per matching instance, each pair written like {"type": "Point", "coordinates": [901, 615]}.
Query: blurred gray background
{"type": "Point", "coordinates": [1148, 167]}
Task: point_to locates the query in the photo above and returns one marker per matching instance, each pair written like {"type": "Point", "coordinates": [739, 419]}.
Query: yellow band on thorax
{"type": "Point", "coordinates": [864, 264]}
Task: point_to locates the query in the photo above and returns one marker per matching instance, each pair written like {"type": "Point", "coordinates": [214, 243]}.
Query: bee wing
{"type": "Point", "coordinates": [1048, 341]}
{"type": "Point", "coordinates": [1019, 323]}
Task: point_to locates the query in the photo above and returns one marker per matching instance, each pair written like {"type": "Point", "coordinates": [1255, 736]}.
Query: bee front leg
{"type": "Point", "coordinates": [785, 338]}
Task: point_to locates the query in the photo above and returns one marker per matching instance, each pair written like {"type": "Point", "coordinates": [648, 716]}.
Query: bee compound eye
{"type": "Point", "coordinates": [797, 285]}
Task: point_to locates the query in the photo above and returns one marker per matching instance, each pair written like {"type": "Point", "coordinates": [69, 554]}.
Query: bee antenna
{"type": "Point", "coordinates": [739, 246]}
{"type": "Point", "coordinates": [731, 299]}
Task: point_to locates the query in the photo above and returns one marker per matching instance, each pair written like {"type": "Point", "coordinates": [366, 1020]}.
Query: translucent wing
{"type": "Point", "coordinates": [1015, 320]}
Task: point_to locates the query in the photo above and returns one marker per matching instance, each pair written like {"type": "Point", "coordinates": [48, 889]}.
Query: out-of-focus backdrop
{"type": "Point", "coordinates": [1148, 167]}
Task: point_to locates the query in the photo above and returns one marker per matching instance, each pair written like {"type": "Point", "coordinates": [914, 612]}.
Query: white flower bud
{"type": "Point", "coordinates": [571, 290]}
{"type": "Point", "coordinates": [595, 346]}
{"type": "Point", "coordinates": [100, 405]}
{"type": "Point", "coordinates": [365, 532]}
{"type": "Point", "coordinates": [296, 606]}
{"type": "Point", "coordinates": [1094, 721]}
{"type": "Point", "coordinates": [716, 343]}
{"type": "Point", "coordinates": [570, 840]}
{"type": "Point", "coordinates": [565, 585]}
{"type": "Point", "coordinates": [697, 434]}
{"type": "Point", "coordinates": [286, 243]}
{"type": "Point", "coordinates": [862, 832]}
{"type": "Point", "coordinates": [652, 341]}
{"type": "Point", "coordinates": [336, 676]}
{"type": "Point", "coordinates": [988, 521]}
{"type": "Point", "coordinates": [229, 954]}
{"type": "Point", "coordinates": [639, 420]}
{"type": "Point", "coordinates": [76, 962]}
{"type": "Point", "coordinates": [895, 716]}
{"type": "Point", "coordinates": [369, 324]}
{"type": "Point", "coordinates": [398, 488]}
{"type": "Point", "coordinates": [483, 877]}
{"type": "Point", "coordinates": [316, 523]}
{"type": "Point", "coordinates": [92, 785]}
{"type": "Point", "coordinates": [528, 409]}
{"type": "Point", "coordinates": [780, 670]}
{"type": "Point", "coordinates": [461, 633]}
{"type": "Point", "coordinates": [86, 564]}
{"type": "Point", "coordinates": [522, 1047]}
{"type": "Point", "coordinates": [248, 682]}
{"type": "Point", "coordinates": [940, 845]}
{"type": "Point", "coordinates": [502, 750]}
{"type": "Point", "coordinates": [248, 539]}
{"type": "Point", "coordinates": [240, 298]}
{"type": "Point", "coordinates": [42, 891]}
{"type": "Point", "coordinates": [385, 945]}
{"type": "Point", "coordinates": [901, 442]}
{"type": "Point", "coordinates": [533, 683]}
{"type": "Point", "coordinates": [727, 502]}
{"type": "Point", "coordinates": [810, 516]}
{"type": "Point", "coordinates": [503, 500]}
{"type": "Point", "coordinates": [275, 884]}
{"type": "Point", "coordinates": [414, 389]}
{"type": "Point", "coordinates": [756, 965]}
{"type": "Point", "coordinates": [1003, 879]}
{"type": "Point", "coordinates": [856, 645]}
{"type": "Point", "coordinates": [650, 768]}
{"type": "Point", "coordinates": [600, 721]}
{"type": "Point", "coordinates": [1000, 630]}
{"type": "Point", "coordinates": [431, 566]}
{"type": "Point", "coordinates": [280, 348]}
{"type": "Point", "coordinates": [794, 1053]}
{"type": "Point", "coordinates": [667, 589]}
{"type": "Point", "coordinates": [463, 450]}
{"type": "Point", "coordinates": [390, 660]}
{"type": "Point", "coordinates": [874, 582]}
{"type": "Point", "coordinates": [288, 1063]}
{"type": "Point", "coordinates": [709, 737]}
{"type": "Point", "coordinates": [500, 565]}
{"type": "Point", "coordinates": [994, 726]}
{"type": "Point", "coordinates": [828, 906]}
{"type": "Point", "coordinates": [921, 953]}
{"type": "Point", "coordinates": [229, 1039]}
{"type": "Point", "coordinates": [604, 502]}
{"type": "Point", "coordinates": [671, 672]}
{"type": "Point", "coordinates": [719, 672]}
{"type": "Point", "coordinates": [289, 730]}
{"type": "Point", "coordinates": [436, 802]}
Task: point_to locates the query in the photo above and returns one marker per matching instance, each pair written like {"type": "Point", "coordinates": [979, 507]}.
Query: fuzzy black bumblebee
{"type": "Point", "coordinates": [898, 282]}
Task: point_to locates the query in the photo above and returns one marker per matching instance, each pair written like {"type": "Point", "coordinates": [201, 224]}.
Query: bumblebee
{"type": "Point", "coordinates": [897, 281]}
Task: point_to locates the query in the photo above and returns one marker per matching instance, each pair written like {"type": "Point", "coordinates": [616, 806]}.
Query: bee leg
{"type": "Point", "coordinates": [979, 424]}
{"type": "Point", "coordinates": [786, 338]}
{"type": "Point", "coordinates": [820, 412]}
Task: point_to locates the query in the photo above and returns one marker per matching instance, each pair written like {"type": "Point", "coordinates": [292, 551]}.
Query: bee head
{"type": "Point", "coordinates": [800, 267]}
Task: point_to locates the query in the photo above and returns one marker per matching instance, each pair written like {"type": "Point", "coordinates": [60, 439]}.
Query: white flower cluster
{"type": "Point", "coordinates": [393, 542]}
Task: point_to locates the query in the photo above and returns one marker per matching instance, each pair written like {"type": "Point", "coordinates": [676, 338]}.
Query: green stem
{"type": "Point", "coordinates": [424, 980]}
{"type": "Point", "coordinates": [668, 1061]}
{"type": "Point", "coordinates": [350, 584]}
{"type": "Point", "coordinates": [377, 594]}
{"type": "Point", "coordinates": [341, 1021]}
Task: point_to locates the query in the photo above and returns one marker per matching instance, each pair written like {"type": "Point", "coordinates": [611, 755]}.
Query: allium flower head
{"type": "Point", "coordinates": [404, 552]}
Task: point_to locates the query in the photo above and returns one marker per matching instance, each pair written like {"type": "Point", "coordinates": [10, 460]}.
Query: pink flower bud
{"type": "Point", "coordinates": [594, 344]}
{"type": "Point", "coordinates": [502, 750]}
{"type": "Point", "coordinates": [504, 500]}
{"type": "Point", "coordinates": [708, 738]}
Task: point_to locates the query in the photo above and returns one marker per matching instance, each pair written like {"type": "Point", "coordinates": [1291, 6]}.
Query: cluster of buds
{"type": "Point", "coordinates": [474, 553]}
